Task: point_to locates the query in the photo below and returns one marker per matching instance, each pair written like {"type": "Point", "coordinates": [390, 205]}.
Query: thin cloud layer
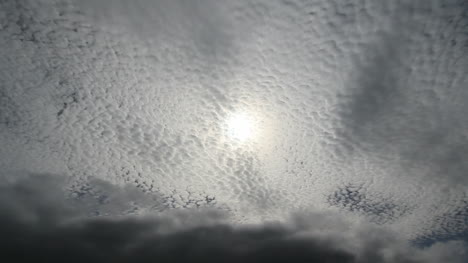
{"type": "Point", "coordinates": [395, 106]}
{"type": "Point", "coordinates": [359, 107]}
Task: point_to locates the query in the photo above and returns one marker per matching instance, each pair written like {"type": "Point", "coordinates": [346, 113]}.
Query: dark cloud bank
{"type": "Point", "coordinates": [41, 223]}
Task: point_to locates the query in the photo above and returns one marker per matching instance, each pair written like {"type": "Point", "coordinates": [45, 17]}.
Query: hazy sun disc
{"type": "Point", "coordinates": [240, 127]}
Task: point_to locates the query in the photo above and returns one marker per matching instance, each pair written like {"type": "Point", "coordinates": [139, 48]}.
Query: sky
{"type": "Point", "coordinates": [234, 131]}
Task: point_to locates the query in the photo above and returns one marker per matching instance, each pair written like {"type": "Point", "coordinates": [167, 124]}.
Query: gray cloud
{"type": "Point", "coordinates": [380, 210]}
{"type": "Point", "coordinates": [368, 94]}
{"type": "Point", "coordinates": [38, 223]}
{"type": "Point", "coordinates": [398, 108]}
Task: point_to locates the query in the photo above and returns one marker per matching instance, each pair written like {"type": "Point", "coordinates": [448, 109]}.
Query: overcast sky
{"type": "Point", "coordinates": [234, 131]}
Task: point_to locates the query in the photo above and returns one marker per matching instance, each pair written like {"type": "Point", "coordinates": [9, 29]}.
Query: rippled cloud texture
{"type": "Point", "coordinates": [116, 141]}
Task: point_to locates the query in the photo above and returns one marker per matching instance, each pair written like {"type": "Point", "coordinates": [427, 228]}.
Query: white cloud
{"type": "Point", "coordinates": [362, 106]}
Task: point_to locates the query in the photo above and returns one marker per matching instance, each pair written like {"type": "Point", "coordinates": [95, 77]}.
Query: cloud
{"type": "Point", "coordinates": [39, 223]}
{"type": "Point", "coordinates": [403, 111]}
{"type": "Point", "coordinates": [380, 210]}
{"type": "Point", "coordinates": [202, 24]}
{"type": "Point", "coordinates": [366, 95]}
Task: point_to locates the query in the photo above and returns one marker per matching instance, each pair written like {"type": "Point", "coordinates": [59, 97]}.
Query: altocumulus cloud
{"type": "Point", "coordinates": [359, 108]}
{"type": "Point", "coordinates": [40, 223]}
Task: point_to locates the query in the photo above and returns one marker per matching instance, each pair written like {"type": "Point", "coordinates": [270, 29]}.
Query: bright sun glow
{"type": "Point", "coordinates": [240, 127]}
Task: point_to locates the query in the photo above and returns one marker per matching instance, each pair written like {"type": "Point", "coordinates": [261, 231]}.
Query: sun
{"type": "Point", "coordinates": [240, 127]}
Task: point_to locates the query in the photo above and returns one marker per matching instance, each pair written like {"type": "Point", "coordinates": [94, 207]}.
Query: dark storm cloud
{"type": "Point", "coordinates": [38, 223]}
{"type": "Point", "coordinates": [132, 241]}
